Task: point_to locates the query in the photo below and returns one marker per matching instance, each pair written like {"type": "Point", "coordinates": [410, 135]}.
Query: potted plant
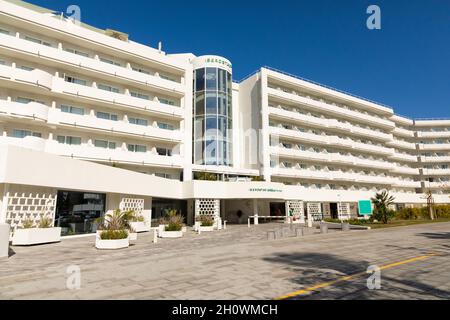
{"type": "Point", "coordinates": [113, 231]}
{"type": "Point", "coordinates": [139, 224]}
{"type": "Point", "coordinates": [171, 226]}
{"type": "Point", "coordinates": [30, 234]}
{"type": "Point", "coordinates": [205, 223]}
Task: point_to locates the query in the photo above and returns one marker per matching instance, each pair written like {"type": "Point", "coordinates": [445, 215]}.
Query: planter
{"type": "Point", "coordinates": [27, 237]}
{"type": "Point", "coordinates": [206, 229]}
{"type": "Point", "coordinates": [162, 233]}
{"type": "Point", "coordinates": [111, 244]}
{"type": "Point", "coordinates": [140, 226]}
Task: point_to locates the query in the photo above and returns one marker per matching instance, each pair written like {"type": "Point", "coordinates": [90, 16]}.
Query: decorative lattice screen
{"type": "Point", "coordinates": [210, 207]}
{"type": "Point", "coordinates": [128, 204]}
{"type": "Point", "coordinates": [296, 208]}
{"type": "Point", "coordinates": [315, 210]}
{"type": "Point", "coordinates": [29, 206]}
{"type": "Point", "coordinates": [344, 211]}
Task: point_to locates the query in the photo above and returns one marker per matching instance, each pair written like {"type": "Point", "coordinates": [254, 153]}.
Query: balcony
{"type": "Point", "coordinates": [403, 132]}
{"type": "Point", "coordinates": [33, 143]}
{"type": "Point", "coordinates": [402, 144]}
{"type": "Point", "coordinates": [89, 64]}
{"type": "Point", "coordinates": [441, 134]}
{"type": "Point", "coordinates": [35, 77]}
{"type": "Point", "coordinates": [434, 146]}
{"type": "Point", "coordinates": [436, 172]}
{"type": "Point", "coordinates": [405, 170]}
{"type": "Point", "coordinates": [372, 148]}
{"type": "Point", "coordinates": [113, 127]}
{"type": "Point", "coordinates": [118, 99]}
{"type": "Point", "coordinates": [92, 153]}
{"type": "Point", "coordinates": [300, 154]}
{"type": "Point", "coordinates": [406, 184]}
{"type": "Point", "coordinates": [403, 157]}
{"type": "Point", "coordinates": [435, 159]}
{"type": "Point", "coordinates": [31, 110]}
{"type": "Point", "coordinates": [298, 135]}
{"type": "Point", "coordinates": [328, 108]}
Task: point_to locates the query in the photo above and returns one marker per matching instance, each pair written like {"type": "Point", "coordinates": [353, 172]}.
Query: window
{"type": "Point", "coordinates": [164, 152]}
{"type": "Point", "coordinates": [106, 115]}
{"type": "Point", "coordinates": [163, 76]}
{"type": "Point", "coordinates": [69, 140]}
{"type": "Point", "coordinates": [165, 126]}
{"type": "Point", "coordinates": [138, 121]}
{"type": "Point", "coordinates": [139, 69]}
{"type": "Point", "coordinates": [38, 41]}
{"type": "Point", "coordinates": [287, 164]}
{"type": "Point", "coordinates": [163, 175]}
{"type": "Point", "coordinates": [26, 68]}
{"type": "Point", "coordinates": [3, 31]}
{"type": "Point", "coordinates": [24, 100]}
{"type": "Point", "coordinates": [71, 109]}
{"type": "Point", "coordinates": [109, 61]}
{"type": "Point", "coordinates": [139, 95]}
{"type": "Point", "coordinates": [105, 144]}
{"type": "Point", "coordinates": [167, 101]}
{"type": "Point", "coordinates": [200, 80]}
{"type": "Point", "coordinates": [75, 80]}
{"type": "Point", "coordinates": [18, 133]}
{"type": "Point", "coordinates": [74, 51]}
{"type": "Point", "coordinates": [136, 148]}
{"type": "Point", "coordinates": [108, 88]}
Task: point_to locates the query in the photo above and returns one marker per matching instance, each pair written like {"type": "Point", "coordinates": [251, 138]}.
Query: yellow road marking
{"type": "Point", "coordinates": [349, 277]}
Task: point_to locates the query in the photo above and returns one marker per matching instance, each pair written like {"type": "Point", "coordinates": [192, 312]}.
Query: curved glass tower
{"type": "Point", "coordinates": [212, 114]}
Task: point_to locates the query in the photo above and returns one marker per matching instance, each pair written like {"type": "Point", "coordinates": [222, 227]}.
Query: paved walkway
{"type": "Point", "coordinates": [237, 263]}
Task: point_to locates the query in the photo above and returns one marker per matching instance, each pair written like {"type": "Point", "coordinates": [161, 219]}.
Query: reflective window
{"type": "Point", "coordinates": [211, 103]}
{"type": "Point", "coordinates": [200, 80]}
{"type": "Point", "coordinates": [211, 79]}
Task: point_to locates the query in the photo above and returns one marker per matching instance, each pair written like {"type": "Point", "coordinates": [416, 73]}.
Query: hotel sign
{"type": "Point", "coordinates": [265, 190]}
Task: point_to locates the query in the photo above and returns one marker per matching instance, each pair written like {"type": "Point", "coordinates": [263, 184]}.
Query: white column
{"type": "Point", "coordinates": [255, 211]}
{"type": "Point", "coordinates": [4, 203]}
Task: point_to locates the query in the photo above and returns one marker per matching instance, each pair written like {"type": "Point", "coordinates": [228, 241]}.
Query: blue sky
{"type": "Point", "coordinates": [405, 65]}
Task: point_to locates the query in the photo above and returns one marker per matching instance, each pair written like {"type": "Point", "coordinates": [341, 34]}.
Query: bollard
{"type": "Point", "coordinates": [225, 224]}
{"type": "Point", "coordinates": [4, 240]}
{"type": "Point", "coordinates": [299, 232]}
{"type": "Point", "coordinates": [155, 236]}
{"type": "Point", "coordinates": [271, 235]}
{"type": "Point", "coordinates": [323, 228]}
{"type": "Point", "coordinates": [345, 226]}
{"type": "Point", "coordinates": [249, 222]}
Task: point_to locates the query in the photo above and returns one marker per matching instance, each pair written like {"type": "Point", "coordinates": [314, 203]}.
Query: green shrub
{"type": "Point", "coordinates": [27, 224]}
{"type": "Point", "coordinates": [412, 214]}
{"type": "Point", "coordinates": [114, 234]}
{"type": "Point", "coordinates": [206, 221]}
{"type": "Point", "coordinates": [442, 211]}
{"type": "Point", "coordinates": [45, 223]}
{"type": "Point", "coordinates": [351, 221]}
{"type": "Point", "coordinates": [173, 221]}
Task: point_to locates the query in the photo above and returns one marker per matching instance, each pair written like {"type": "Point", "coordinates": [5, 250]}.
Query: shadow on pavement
{"type": "Point", "coordinates": [436, 235]}
{"type": "Point", "coordinates": [316, 268]}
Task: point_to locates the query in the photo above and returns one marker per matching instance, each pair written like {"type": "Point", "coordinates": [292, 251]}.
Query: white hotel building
{"type": "Point", "coordinates": [91, 121]}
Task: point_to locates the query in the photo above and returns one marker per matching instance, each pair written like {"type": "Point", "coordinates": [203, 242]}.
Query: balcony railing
{"type": "Point", "coordinates": [90, 64]}
{"type": "Point", "coordinates": [349, 114]}
{"type": "Point", "coordinates": [112, 127]}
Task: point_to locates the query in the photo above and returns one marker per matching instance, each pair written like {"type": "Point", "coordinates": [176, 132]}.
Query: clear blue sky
{"type": "Point", "coordinates": [406, 64]}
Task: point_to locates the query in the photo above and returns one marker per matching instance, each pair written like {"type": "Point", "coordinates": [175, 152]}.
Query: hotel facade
{"type": "Point", "coordinates": [91, 121]}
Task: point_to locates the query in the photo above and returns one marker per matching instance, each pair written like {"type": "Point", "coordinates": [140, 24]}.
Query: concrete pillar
{"type": "Point", "coordinates": [4, 240]}
{"type": "Point", "coordinates": [3, 202]}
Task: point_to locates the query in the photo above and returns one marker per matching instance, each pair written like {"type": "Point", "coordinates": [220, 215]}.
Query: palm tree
{"type": "Point", "coordinates": [382, 201]}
